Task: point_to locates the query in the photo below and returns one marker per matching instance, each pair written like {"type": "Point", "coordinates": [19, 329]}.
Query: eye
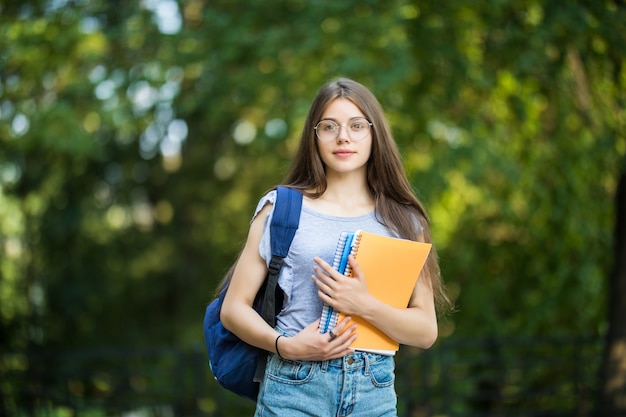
{"type": "Point", "coordinates": [327, 126]}
{"type": "Point", "coordinates": [358, 124]}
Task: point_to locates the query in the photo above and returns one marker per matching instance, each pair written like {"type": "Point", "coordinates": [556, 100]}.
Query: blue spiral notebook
{"type": "Point", "coordinates": [340, 263]}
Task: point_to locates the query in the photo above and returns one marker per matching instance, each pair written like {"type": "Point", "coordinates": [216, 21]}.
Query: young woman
{"type": "Point", "coordinates": [351, 175]}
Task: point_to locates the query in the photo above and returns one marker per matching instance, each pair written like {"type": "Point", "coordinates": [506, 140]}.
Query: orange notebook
{"type": "Point", "coordinates": [391, 267]}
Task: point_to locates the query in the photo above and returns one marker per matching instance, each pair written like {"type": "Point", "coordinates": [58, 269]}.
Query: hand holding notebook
{"type": "Point", "coordinates": [391, 268]}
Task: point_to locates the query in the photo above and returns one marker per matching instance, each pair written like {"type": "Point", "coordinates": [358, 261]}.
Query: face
{"type": "Point", "coordinates": [343, 155]}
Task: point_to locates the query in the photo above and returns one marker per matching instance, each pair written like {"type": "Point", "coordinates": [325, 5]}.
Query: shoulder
{"type": "Point", "coordinates": [269, 199]}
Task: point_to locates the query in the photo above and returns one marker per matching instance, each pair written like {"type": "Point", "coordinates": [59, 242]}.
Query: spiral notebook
{"type": "Point", "coordinates": [391, 266]}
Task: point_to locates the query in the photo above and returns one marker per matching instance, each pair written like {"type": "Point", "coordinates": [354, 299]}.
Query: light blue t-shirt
{"type": "Point", "coordinates": [317, 235]}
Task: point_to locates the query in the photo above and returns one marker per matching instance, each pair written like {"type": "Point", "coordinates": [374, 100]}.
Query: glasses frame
{"type": "Point", "coordinates": [369, 129]}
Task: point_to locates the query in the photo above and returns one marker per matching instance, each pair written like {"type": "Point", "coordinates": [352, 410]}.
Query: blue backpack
{"type": "Point", "coordinates": [236, 365]}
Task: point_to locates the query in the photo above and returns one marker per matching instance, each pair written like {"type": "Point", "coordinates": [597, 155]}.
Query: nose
{"type": "Point", "coordinates": [342, 134]}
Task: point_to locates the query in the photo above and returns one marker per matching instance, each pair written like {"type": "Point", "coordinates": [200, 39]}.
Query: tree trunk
{"type": "Point", "coordinates": [612, 398]}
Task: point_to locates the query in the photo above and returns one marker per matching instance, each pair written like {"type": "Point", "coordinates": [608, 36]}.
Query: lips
{"type": "Point", "coordinates": [344, 153]}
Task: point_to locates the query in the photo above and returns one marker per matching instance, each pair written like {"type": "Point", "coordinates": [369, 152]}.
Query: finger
{"type": "Point", "coordinates": [340, 346]}
{"type": "Point", "coordinates": [356, 268]}
{"type": "Point", "coordinates": [321, 262]}
{"type": "Point", "coordinates": [324, 283]}
{"type": "Point", "coordinates": [343, 348]}
{"type": "Point", "coordinates": [343, 323]}
{"type": "Point", "coordinates": [321, 275]}
{"type": "Point", "coordinates": [331, 336]}
{"type": "Point", "coordinates": [325, 266]}
{"type": "Point", "coordinates": [324, 297]}
{"type": "Point", "coordinates": [343, 334]}
{"type": "Point", "coordinates": [322, 286]}
{"type": "Point", "coordinates": [321, 278]}
{"type": "Point", "coordinates": [351, 340]}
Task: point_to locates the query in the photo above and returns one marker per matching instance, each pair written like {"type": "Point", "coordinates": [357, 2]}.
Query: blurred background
{"type": "Point", "coordinates": [136, 138]}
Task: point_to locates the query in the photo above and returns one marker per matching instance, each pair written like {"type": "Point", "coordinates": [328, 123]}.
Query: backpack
{"type": "Point", "coordinates": [236, 365]}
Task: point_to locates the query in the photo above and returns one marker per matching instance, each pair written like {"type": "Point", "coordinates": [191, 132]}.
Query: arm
{"type": "Point", "coordinates": [239, 317]}
{"type": "Point", "coordinates": [237, 314]}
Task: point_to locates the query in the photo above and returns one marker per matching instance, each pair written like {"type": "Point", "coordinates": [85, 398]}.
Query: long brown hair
{"type": "Point", "coordinates": [397, 207]}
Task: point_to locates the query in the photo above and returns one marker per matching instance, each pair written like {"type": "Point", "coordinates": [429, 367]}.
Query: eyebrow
{"type": "Point", "coordinates": [336, 120]}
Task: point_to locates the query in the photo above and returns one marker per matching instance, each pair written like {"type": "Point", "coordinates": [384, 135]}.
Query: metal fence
{"type": "Point", "coordinates": [457, 377]}
{"type": "Point", "coordinates": [493, 377]}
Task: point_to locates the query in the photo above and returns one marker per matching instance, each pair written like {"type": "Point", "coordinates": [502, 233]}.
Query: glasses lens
{"type": "Point", "coordinates": [327, 130]}
{"type": "Point", "coordinates": [358, 128]}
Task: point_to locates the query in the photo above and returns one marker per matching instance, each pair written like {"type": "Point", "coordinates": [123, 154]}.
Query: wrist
{"type": "Point", "coordinates": [371, 309]}
{"type": "Point", "coordinates": [277, 347]}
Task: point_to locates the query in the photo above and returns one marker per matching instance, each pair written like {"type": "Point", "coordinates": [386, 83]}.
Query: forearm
{"type": "Point", "coordinates": [248, 325]}
{"type": "Point", "coordinates": [411, 326]}
{"type": "Point", "coordinates": [237, 314]}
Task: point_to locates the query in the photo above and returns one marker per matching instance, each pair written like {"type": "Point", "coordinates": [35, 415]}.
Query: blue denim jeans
{"type": "Point", "coordinates": [357, 385]}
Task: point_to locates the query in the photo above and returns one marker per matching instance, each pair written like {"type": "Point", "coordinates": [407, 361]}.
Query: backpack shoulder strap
{"type": "Point", "coordinates": [285, 221]}
{"type": "Point", "coordinates": [283, 226]}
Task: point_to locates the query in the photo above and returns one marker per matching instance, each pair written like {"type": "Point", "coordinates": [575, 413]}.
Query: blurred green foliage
{"type": "Point", "coordinates": [137, 137]}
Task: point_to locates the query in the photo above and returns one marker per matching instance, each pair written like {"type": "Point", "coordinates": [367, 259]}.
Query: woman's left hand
{"type": "Point", "coordinates": [346, 294]}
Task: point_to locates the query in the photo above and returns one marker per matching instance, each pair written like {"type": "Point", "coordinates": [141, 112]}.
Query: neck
{"type": "Point", "coordinates": [349, 191]}
{"type": "Point", "coordinates": [347, 195]}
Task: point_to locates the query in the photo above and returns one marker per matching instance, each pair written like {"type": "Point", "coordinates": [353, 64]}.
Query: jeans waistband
{"type": "Point", "coordinates": [354, 360]}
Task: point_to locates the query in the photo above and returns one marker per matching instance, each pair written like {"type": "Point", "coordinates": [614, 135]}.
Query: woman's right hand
{"type": "Point", "coordinates": [311, 345]}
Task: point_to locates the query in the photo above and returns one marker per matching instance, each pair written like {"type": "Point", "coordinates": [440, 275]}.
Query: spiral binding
{"type": "Point", "coordinates": [356, 241]}
{"type": "Point", "coordinates": [347, 244]}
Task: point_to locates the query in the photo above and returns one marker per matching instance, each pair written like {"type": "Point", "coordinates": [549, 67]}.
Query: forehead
{"type": "Point", "coordinates": [341, 109]}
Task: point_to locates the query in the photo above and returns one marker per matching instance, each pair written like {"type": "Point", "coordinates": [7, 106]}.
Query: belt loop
{"type": "Point", "coordinates": [324, 366]}
{"type": "Point", "coordinates": [366, 359]}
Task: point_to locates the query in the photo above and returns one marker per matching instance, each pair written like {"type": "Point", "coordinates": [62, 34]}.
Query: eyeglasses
{"type": "Point", "coordinates": [357, 128]}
